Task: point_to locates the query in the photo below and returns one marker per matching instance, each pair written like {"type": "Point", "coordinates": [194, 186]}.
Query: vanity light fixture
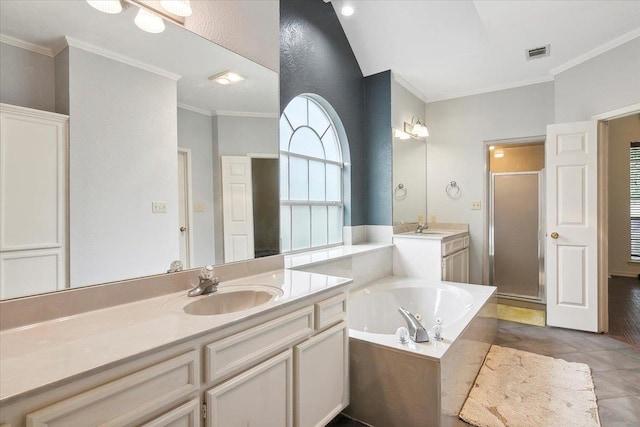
{"type": "Point", "coordinates": [177, 7]}
{"type": "Point", "coordinates": [106, 6]}
{"type": "Point", "coordinates": [400, 134]}
{"type": "Point", "coordinates": [416, 128]}
{"type": "Point", "coordinates": [149, 22]}
{"type": "Point", "coordinates": [226, 78]}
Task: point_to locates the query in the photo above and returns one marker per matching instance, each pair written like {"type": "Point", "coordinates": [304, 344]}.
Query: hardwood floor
{"type": "Point", "coordinates": [624, 309]}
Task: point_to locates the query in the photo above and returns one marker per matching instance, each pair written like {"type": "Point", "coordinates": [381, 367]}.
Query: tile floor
{"type": "Point", "coordinates": [615, 367]}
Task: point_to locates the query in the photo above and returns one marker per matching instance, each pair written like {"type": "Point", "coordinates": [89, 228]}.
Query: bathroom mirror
{"type": "Point", "coordinates": [147, 133]}
{"type": "Point", "coordinates": [409, 180]}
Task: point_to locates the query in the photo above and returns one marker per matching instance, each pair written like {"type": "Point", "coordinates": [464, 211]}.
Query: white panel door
{"type": "Point", "coordinates": [33, 201]}
{"type": "Point", "coordinates": [572, 228]}
{"type": "Point", "coordinates": [237, 208]}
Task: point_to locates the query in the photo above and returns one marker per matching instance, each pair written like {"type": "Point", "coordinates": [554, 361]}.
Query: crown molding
{"type": "Point", "coordinates": [597, 51]}
{"type": "Point", "coordinates": [121, 58]}
{"type": "Point", "coordinates": [408, 86]}
{"type": "Point", "coordinates": [195, 109]}
{"type": "Point", "coordinates": [492, 89]}
{"type": "Point", "coordinates": [26, 45]}
{"type": "Point", "coordinates": [246, 114]}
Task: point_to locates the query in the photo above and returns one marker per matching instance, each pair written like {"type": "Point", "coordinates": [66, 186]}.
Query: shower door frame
{"type": "Point", "coordinates": [541, 298]}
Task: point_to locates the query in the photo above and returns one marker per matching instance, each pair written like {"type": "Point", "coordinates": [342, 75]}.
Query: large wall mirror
{"type": "Point", "coordinates": [162, 164]}
{"type": "Point", "coordinates": [409, 180]}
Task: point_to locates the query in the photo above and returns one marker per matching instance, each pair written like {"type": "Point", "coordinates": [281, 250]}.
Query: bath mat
{"type": "Point", "coordinates": [521, 315]}
{"type": "Point", "coordinates": [519, 389]}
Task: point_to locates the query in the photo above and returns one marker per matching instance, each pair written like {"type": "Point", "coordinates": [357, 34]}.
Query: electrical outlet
{"type": "Point", "coordinates": [432, 219]}
{"type": "Point", "coordinates": [475, 205]}
{"type": "Point", "coordinates": [159, 207]}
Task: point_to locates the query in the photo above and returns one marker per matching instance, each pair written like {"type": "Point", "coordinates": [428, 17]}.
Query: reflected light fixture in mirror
{"type": "Point", "coordinates": [149, 22]}
{"type": "Point", "coordinates": [106, 6]}
{"type": "Point", "coordinates": [400, 134]}
{"type": "Point", "coordinates": [416, 128]}
{"type": "Point", "coordinates": [177, 7]}
{"type": "Point", "coordinates": [498, 154]}
{"type": "Point", "coordinates": [226, 78]}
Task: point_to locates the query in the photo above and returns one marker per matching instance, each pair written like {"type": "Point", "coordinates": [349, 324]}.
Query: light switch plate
{"type": "Point", "coordinates": [159, 207]}
{"type": "Point", "coordinates": [475, 205]}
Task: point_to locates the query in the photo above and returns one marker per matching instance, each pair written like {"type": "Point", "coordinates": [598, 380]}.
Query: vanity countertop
{"type": "Point", "coordinates": [433, 234]}
{"type": "Point", "coordinates": [40, 355]}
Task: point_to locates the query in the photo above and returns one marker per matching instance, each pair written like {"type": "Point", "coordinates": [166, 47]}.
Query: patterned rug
{"type": "Point", "coordinates": [520, 389]}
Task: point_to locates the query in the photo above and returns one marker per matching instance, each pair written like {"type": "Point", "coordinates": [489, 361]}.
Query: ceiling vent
{"type": "Point", "coordinates": [538, 52]}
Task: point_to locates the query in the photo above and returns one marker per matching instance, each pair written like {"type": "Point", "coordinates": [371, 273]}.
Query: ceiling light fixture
{"type": "Point", "coordinates": [149, 22]}
{"type": "Point", "coordinates": [226, 78]}
{"type": "Point", "coordinates": [416, 128]}
{"type": "Point", "coordinates": [498, 154]}
{"type": "Point", "coordinates": [346, 8]}
{"type": "Point", "coordinates": [492, 147]}
{"type": "Point", "coordinates": [400, 134]}
{"type": "Point", "coordinates": [106, 6]}
{"type": "Point", "coordinates": [177, 7]}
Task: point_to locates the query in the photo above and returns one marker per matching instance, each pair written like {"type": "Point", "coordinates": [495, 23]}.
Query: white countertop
{"type": "Point", "coordinates": [42, 354]}
{"type": "Point", "coordinates": [432, 234]}
{"type": "Point", "coordinates": [329, 254]}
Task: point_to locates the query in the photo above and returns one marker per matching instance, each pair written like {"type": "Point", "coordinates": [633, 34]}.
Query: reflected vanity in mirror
{"type": "Point", "coordinates": [142, 176]}
{"type": "Point", "coordinates": [409, 180]}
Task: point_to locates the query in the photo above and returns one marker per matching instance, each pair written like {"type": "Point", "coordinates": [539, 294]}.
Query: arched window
{"type": "Point", "coordinates": [310, 177]}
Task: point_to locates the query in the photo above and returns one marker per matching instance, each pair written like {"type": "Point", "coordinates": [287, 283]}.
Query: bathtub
{"type": "Point", "coordinates": [416, 384]}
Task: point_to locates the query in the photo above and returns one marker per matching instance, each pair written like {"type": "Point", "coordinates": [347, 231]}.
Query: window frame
{"type": "Point", "coordinates": [288, 202]}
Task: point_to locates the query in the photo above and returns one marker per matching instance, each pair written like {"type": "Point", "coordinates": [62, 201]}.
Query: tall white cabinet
{"type": "Point", "coordinates": [33, 201]}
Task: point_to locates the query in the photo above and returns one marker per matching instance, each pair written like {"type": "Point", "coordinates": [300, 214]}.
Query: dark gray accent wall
{"type": "Point", "coordinates": [378, 156]}
{"type": "Point", "coordinates": [315, 57]}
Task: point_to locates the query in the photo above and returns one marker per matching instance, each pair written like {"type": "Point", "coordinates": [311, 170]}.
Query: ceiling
{"type": "Point", "coordinates": [175, 51]}
{"type": "Point", "coordinates": [448, 49]}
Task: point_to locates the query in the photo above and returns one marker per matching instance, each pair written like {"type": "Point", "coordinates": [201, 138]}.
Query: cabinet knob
{"type": "Point", "coordinates": [554, 235]}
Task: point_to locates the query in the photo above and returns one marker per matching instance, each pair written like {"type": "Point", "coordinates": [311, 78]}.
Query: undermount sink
{"type": "Point", "coordinates": [231, 300]}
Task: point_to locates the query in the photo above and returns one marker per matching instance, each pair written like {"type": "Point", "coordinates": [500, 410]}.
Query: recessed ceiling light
{"type": "Point", "coordinates": [106, 6]}
{"type": "Point", "coordinates": [492, 147]}
{"type": "Point", "coordinates": [177, 7]}
{"type": "Point", "coordinates": [226, 78]}
{"type": "Point", "coordinates": [149, 22]}
{"type": "Point", "coordinates": [498, 154]}
{"type": "Point", "coordinates": [347, 10]}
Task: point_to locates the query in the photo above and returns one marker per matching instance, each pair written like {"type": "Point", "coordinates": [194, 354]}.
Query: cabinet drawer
{"type": "Point", "coordinates": [187, 415]}
{"type": "Point", "coordinates": [454, 245]}
{"type": "Point", "coordinates": [331, 311]}
{"type": "Point", "coordinates": [240, 351]}
{"type": "Point", "coordinates": [127, 400]}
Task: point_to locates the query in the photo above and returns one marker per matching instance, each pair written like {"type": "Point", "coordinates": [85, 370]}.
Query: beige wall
{"type": "Point", "coordinates": [518, 159]}
{"type": "Point", "coordinates": [621, 133]}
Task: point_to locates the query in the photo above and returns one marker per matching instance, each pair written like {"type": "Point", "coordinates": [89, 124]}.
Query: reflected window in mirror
{"type": "Point", "coordinates": [311, 183]}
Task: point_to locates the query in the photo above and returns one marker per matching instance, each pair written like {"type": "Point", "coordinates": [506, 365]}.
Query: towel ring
{"type": "Point", "coordinates": [452, 189]}
{"type": "Point", "coordinates": [400, 192]}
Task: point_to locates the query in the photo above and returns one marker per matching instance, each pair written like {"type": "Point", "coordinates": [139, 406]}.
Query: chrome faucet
{"type": "Point", "coordinates": [421, 227]}
{"type": "Point", "coordinates": [207, 283]}
{"type": "Point", "coordinates": [417, 332]}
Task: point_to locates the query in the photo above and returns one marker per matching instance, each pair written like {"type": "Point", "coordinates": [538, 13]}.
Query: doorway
{"type": "Point", "coordinates": [516, 194]}
{"type": "Point", "coordinates": [185, 232]}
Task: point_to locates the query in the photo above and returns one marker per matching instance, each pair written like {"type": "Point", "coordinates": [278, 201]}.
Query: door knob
{"type": "Point", "coordinates": [183, 229]}
{"type": "Point", "coordinates": [554, 235]}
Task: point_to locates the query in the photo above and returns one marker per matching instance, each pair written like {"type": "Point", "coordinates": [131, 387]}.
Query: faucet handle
{"type": "Point", "coordinates": [206, 273]}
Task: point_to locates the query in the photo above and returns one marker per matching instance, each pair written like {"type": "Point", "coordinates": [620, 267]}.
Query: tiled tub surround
{"type": "Point", "coordinates": [416, 384]}
{"type": "Point", "coordinates": [63, 353]}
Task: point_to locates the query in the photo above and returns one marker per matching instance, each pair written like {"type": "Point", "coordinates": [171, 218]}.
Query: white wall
{"type": "Point", "coordinates": [249, 27]}
{"type": "Point", "coordinates": [123, 156]}
{"type": "Point", "coordinates": [26, 78]}
{"type": "Point", "coordinates": [621, 133]}
{"type": "Point", "coordinates": [458, 128]}
{"type": "Point", "coordinates": [605, 83]}
{"type": "Point", "coordinates": [194, 132]}
{"type": "Point", "coordinates": [409, 157]}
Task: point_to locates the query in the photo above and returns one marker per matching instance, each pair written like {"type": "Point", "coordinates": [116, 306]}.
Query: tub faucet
{"type": "Point", "coordinates": [207, 283]}
{"type": "Point", "coordinates": [417, 332]}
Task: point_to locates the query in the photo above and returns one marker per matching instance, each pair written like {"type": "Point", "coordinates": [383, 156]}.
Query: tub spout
{"type": "Point", "coordinates": [417, 332]}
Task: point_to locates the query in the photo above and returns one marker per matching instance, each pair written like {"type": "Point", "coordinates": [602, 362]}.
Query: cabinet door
{"type": "Point", "coordinates": [261, 396]}
{"type": "Point", "coordinates": [322, 377]}
{"type": "Point", "coordinates": [455, 267]}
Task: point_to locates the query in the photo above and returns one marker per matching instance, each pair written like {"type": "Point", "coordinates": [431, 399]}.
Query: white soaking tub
{"type": "Point", "coordinates": [416, 384]}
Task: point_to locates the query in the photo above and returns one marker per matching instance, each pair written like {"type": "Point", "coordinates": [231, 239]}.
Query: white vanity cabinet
{"type": "Point", "coordinates": [434, 255]}
{"type": "Point", "coordinates": [284, 368]}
